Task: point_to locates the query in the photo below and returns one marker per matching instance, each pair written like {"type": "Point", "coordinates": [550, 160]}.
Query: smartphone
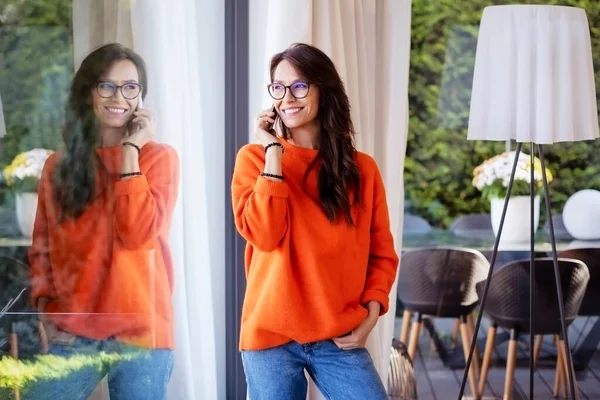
{"type": "Point", "coordinates": [132, 128]}
{"type": "Point", "coordinates": [270, 127]}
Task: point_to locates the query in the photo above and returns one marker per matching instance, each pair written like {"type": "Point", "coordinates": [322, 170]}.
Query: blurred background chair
{"type": "Point", "coordinates": [507, 306]}
{"type": "Point", "coordinates": [440, 282]}
{"type": "Point", "coordinates": [415, 225]}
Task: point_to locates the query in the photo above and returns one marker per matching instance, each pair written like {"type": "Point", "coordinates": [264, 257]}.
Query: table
{"type": "Point", "coordinates": [483, 240]}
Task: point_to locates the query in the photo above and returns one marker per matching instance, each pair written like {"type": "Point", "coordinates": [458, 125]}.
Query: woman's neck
{"type": "Point", "coordinates": [306, 136]}
{"type": "Point", "coordinates": [111, 136]}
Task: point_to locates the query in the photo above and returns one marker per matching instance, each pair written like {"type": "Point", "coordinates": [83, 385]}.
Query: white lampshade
{"type": "Point", "coordinates": [534, 78]}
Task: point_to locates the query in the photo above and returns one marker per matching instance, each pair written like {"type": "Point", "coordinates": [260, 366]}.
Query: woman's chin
{"type": "Point", "coordinates": [114, 124]}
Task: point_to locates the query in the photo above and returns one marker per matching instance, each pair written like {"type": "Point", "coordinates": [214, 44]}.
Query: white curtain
{"type": "Point", "coordinates": [369, 42]}
{"type": "Point", "coordinates": [182, 44]}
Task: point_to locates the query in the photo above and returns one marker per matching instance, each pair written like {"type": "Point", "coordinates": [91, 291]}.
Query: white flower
{"type": "Point", "coordinates": [27, 165]}
{"type": "Point", "coordinates": [500, 168]}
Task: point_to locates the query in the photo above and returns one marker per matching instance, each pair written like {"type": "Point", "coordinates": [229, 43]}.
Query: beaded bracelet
{"type": "Point", "coordinates": [274, 144]}
{"type": "Point", "coordinates": [130, 174]}
{"type": "Point", "coordinates": [139, 150]}
{"type": "Point", "coordinates": [266, 174]}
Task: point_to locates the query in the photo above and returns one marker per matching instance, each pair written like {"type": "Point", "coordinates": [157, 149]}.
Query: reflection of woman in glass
{"type": "Point", "coordinates": [320, 260]}
{"type": "Point", "coordinates": [101, 266]}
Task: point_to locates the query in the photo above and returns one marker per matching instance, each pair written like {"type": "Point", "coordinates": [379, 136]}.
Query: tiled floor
{"type": "Point", "coordinates": [437, 382]}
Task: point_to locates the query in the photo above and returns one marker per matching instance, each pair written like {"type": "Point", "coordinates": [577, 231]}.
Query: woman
{"type": "Point", "coordinates": [101, 266]}
{"type": "Point", "coordinates": [320, 259]}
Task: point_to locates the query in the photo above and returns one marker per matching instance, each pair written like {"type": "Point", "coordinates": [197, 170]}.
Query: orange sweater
{"type": "Point", "coordinates": [308, 279]}
{"type": "Point", "coordinates": [110, 273]}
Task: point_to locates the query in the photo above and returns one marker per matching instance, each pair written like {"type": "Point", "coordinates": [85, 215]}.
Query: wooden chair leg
{"type": "Point", "coordinates": [537, 347]}
{"type": "Point", "coordinates": [487, 357]}
{"type": "Point", "coordinates": [43, 337]}
{"type": "Point", "coordinates": [455, 331]}
{"type": "Point", "coordinates": [476, 358]}
{"type": "Point", "coordinates": [511, 362]}
{"type": "Point", "coordinates": [466, 344]}
{"type": "Point", "coordinates": [563, 350]}
{"type": "Point", "coordinates": [14, 353]}
{"type": "Point", "coordinates": [559, 377]}
{"type": "Point", "coordinates": [414, 336]}
{"type": "Point", "coordinates": [406, 317]}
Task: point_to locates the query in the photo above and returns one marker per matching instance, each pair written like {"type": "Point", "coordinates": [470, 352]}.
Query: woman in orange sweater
{"type": "Point", "coordinates": [320, 258]}
{"type": "Point", "coordinates": [101, 267]}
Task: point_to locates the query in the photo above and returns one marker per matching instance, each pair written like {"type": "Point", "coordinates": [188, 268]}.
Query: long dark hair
{"type": "Point", "coordinates": [338, 173]}
{"type": "Point", "coordinates": [75, 179]}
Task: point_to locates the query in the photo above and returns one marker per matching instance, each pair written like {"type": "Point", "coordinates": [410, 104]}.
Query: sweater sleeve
{"type": "Point", "coordinates": [260, 205]}
{"type": "Point", "coordinates": [42, 282]}
{"type": "Point", "coordinates": [144, 204]}
{"type": "Point", "coordinates": [383, 260]}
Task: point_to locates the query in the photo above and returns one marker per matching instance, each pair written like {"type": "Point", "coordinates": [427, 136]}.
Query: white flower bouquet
{"type": "Point", "coordinates": [493, 175]}
{"type": "Point", "coordinates": [24, 172]}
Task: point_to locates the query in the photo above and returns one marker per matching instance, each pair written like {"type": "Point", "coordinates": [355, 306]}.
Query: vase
{"type": "Point", "coordinates": [517, 225]}
{"type": "Point", "coordinates": [26, 207]}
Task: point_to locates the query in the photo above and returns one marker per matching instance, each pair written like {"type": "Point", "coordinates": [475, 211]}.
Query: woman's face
{"type": "Point", "coordinates": [111, 107]}
{"type": "Point", "coordinates": [294, 112]}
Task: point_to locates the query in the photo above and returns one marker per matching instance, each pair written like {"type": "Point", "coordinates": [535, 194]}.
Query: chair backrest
{"type": "Point", "coordinates": [413, 224]}
{"type": "Point", "coordinates": [590, 306]}
{"type": "Point", "coordinates": [472, 221]}
{"type": "Point", "coordinates": [560, 231]}
{"type": "Point", "coordinates": [472, 226]}
{"type": "Point", "coordinates": [508, 296]}
{"type": "Point", "coordinates": [14, 298]}
{"type": "Point", "coordinates": [439, 277]}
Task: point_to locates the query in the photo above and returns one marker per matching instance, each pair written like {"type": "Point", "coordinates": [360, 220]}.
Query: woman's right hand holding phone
{"type": "Point", "coordinates": [274, 154]}
{"type": "Point", "coordinates": [265, 120]}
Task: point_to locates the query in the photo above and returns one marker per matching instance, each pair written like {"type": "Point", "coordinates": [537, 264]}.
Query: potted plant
{"type": "Point", "coordinates": [22, 176]}
{"type": "Point", "coordinates": [492, 177]}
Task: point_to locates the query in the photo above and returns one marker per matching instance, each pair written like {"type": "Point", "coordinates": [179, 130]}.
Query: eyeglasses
{"type": "Point", "coordinates": [129, 90]}
{"type": "Point", "coordinates": [298, 89]}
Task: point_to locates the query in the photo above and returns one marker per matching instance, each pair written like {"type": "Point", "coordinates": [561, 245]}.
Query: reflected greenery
{"type": "Point", "coordinates": [36, 65]}
{"type": "Point", "coordinates": [440, 160]}
{"type": "Point", "coordinates": [19, 373]}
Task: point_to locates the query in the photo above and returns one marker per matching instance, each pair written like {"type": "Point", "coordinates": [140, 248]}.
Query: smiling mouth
{"type": "Point", "coordinates": [116, 110]}
{"type": "Point", "coordinates": [292, 111]}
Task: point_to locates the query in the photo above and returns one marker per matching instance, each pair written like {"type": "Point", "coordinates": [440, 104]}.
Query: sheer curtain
{"type": "Point", "coordinates": [369, 41]}
{"type": "Point", "coordinates": [182, 44]}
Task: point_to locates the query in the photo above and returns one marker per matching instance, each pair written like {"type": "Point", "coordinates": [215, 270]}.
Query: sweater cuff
{"type": "Point", "coordinates": [271, 188]}
{"type": "Point", "coordinates": [137, 184]}
{"type": "Point", "coordinates": [378, 296]}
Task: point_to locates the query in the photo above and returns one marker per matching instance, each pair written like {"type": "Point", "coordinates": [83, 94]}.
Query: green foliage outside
{"type": "Point", "coordinates": [440, 160]}
{"type": "Point", "coordinates": [19, 373]}
{"type": "Point", "coordinates": [36, 66]}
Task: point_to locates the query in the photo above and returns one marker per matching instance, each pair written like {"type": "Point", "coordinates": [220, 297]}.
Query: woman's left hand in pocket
{"type": "Point", "coordinates": [358, 338]}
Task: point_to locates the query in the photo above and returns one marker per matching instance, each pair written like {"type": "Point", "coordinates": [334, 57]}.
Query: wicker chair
{"type": "Point", "coordinates": [507, 306]}
{"type": "Point", "coordinates": [415, 225]}
{"type": "Point", "coordinates": [440, 282]}
{"type": "Point", "coordinates": [590, 306]}
{"type": "Point", "coordinates": [560, 232]}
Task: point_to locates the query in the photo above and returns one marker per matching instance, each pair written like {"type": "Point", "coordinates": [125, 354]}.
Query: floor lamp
{"type": "Point", "coordinates": [533, 83]}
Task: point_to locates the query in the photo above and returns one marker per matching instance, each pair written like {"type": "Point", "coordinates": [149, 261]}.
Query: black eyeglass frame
{"type": "Point", "coordinates": [286, 88]}
{"type": "Point", "coordinates": [120, 88]}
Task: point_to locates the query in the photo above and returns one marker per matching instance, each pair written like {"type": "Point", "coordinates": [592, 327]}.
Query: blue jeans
{"type": "Point", "coordinates": [278, 373]}
{"type": "Point", "coordinates": [133, 373]}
